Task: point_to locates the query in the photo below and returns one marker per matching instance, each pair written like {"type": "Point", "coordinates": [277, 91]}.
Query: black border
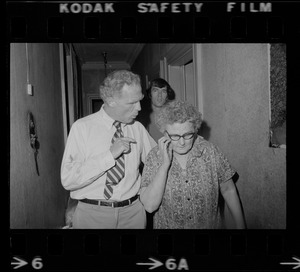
{"type": "Point", "coordinates": [229, 250]}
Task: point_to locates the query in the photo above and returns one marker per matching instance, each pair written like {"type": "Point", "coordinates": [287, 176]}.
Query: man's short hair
{"type": "Point", "coordinates": [115, 81]}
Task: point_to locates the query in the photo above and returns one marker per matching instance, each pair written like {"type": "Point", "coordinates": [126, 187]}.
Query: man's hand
{"type": "Point", "coordinates": [120, 146]}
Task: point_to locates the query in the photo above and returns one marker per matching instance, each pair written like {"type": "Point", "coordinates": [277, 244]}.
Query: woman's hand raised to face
{"type": "Point", "coordinates": [166, 152]}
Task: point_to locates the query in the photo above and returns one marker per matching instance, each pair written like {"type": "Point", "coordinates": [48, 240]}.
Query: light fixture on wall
{"type": "Point", "coordinates": [104, 54]}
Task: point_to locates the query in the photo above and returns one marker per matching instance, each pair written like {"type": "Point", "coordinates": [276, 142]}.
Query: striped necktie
{"type": "Point", "coordinates": [116, 173]}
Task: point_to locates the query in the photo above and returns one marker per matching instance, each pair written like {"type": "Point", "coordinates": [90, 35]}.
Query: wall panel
{"type": "Point", "coordinates": [36, 201]}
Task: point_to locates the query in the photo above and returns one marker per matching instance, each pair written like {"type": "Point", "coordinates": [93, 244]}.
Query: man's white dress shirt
{"type": "Point", "coordinates": [87, 157]}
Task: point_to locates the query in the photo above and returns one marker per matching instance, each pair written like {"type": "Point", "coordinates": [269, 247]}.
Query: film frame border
{"type": "Point", "coordinates": [225, 250]}
{"type": "Point", "coordinates": [129, 23]}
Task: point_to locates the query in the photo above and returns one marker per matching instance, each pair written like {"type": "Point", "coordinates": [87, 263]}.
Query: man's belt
{"type": "Point", "coordinates": [113, 204]}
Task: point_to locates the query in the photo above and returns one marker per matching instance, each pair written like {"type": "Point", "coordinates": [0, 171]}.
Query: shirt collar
{"type": "Point", "coordinates": [108, 121]}
{"type": "Point", "coordinates": [197, 148]}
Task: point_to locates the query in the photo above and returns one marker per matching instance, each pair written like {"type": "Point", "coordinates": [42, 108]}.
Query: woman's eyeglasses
{"type": "Point", "coordinates": [186, 136]}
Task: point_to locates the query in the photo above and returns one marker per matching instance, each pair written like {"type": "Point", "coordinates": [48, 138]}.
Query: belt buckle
{"type": "Point", "coordinates": [105, 203]}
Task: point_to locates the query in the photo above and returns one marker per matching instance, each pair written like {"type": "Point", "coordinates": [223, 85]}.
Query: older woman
{"type": "Point", "coordinates": [184, 174]}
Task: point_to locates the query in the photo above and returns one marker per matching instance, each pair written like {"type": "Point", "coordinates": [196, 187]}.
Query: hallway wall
{"type": "Point", "coordinates": [236, 108]}
{"type": "Point", "coordinates": [147, 63]}
{"type": "Point", "coordinates": [36, 201]}
{"type": "Point", "coordinates": [91, 80]}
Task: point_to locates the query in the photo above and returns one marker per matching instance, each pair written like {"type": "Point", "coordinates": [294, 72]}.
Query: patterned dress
{"type": "Point", "coordinates": [191, 197]}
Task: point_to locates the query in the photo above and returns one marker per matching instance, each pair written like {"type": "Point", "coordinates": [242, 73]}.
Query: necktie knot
{"type": "Point", "coordinates": [117, 124]}
{"type": "Point", "coordinates": [119, 132]}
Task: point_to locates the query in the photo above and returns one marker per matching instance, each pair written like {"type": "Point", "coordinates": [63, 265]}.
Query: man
{"type": "Point", "coordinates": [103, 153]}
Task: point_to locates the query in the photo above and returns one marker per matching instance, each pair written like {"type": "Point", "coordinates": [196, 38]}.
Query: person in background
{"type": "Point", "coordinates": [100, 165]}
{"type": "Point", "coordinates": [157, 95]}
{"type": "Point", "coordinates": [184, 175]}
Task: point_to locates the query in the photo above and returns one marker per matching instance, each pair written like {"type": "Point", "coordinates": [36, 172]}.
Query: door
{"type": "Point", "coordinates": [180, 72]}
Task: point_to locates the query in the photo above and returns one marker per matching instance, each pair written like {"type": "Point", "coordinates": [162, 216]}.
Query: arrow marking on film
{"type": "Point", "coordinates": [297, 263]}
{"type": "Point", "coordinates": [155, 263]}
{"type": "Point", "coordinates": [19, 263]}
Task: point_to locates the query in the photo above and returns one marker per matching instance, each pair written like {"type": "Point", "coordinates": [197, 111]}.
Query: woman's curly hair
{"type": "Point", "coordinates": [178, 112]}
